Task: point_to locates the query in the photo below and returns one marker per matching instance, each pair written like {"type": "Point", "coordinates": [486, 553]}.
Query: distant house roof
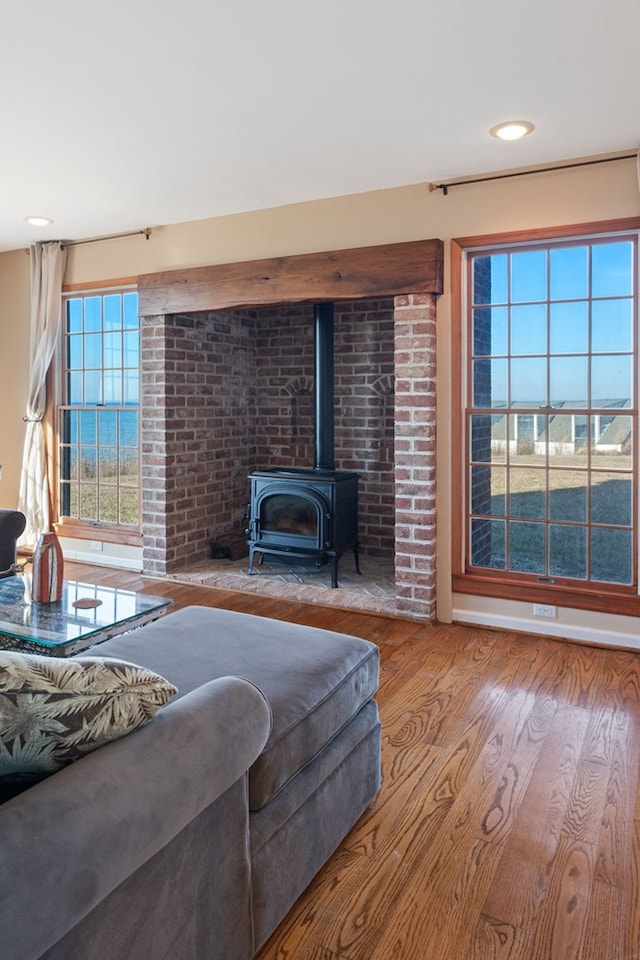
{"type": "Point", "coordinates": [615, 433]}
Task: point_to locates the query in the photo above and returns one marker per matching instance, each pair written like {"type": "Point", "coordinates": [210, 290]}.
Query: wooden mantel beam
{"type": "Point", "coordinates": [362, 272]}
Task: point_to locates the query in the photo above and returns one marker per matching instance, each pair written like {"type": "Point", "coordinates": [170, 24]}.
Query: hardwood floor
{"type": "Point", "coordinates": [508, 824]}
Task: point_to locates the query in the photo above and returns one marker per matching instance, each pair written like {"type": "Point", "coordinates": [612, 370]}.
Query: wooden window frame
{"type": "Point", "coordinates": [73, 527]}
{"type": "Point", "coordinates": [603, 597]}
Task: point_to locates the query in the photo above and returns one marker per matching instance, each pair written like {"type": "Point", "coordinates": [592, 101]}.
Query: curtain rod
{"type": "Point", "coordinates": [112, 236]}
{"type": "Point", "coordinates": [525, 173]}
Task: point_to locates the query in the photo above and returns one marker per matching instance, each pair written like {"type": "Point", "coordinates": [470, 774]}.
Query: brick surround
{"type": "Point", "coordinates": [415, 454]}
{"type": "Point", "coordinates": [229, 391]}
{"type": "Point", "coordinates": [197, 410]}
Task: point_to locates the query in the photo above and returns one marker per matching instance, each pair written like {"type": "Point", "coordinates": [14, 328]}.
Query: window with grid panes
{"type": "Point", "coordinates": [99, 419]}
{"type": "Point", "coordinates": [550, 418]}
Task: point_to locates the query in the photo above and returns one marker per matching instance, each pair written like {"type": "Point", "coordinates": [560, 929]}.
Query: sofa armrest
{"type": "Point", "coordinates": [70, 840]}
{"type": "Point", "coordinates": [12, 524]}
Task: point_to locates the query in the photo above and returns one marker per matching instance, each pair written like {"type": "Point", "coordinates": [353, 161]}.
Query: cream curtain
{"type": "Point", "coordinates": [48, 261]}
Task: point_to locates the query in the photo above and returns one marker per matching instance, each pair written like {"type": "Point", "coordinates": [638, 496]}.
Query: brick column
{"type": "Point", "coordinates": [415, 454]}
{"type": "Point", "coordinates": [197, 406]}
{"type": "Point", "coordinates": [154, 459]}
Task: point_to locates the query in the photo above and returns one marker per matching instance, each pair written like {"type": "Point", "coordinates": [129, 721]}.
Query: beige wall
{"type": "Point", "coordinates": [388, 216]}
{"type": "Point", "coordinates": [599, 192]}
{"type": "Point", "coordinates": [14, 360]}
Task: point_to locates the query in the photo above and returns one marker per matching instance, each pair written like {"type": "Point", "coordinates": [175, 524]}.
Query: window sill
{"type": "Point", "coordinates": [604, 599]}
{"type": "Point", "coordinates": [108, 533]}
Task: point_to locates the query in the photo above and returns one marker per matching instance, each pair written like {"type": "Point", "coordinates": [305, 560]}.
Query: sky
{"type": "Point", "coordinates": [547, 310]}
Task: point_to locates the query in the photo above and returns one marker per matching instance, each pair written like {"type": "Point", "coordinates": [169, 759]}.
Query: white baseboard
{"type": "Point", "coordinates": [597, 636]}
{"type": "Point", "coordinates": [103, 560]}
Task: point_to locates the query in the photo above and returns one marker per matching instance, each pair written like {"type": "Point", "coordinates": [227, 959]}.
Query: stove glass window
{"type": "Point", "coordinates": [288, 513]}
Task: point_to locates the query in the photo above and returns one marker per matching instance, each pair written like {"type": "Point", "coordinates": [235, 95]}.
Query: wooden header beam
{"type": "Point", "coordinates": [380, 271]}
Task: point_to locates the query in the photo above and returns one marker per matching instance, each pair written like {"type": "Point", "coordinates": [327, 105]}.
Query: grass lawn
{"type": "Point", "coordinates": [559, 520]}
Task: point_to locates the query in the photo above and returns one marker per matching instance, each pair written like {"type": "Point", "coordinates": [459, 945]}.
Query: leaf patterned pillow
{"type": "Point", "coordinates": [53, 711]}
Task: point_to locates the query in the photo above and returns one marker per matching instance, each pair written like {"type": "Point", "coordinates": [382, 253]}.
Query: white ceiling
{"type": "Point", "coordinates": [134, 113]}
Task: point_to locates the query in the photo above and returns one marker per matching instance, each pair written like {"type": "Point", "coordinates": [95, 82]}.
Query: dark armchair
{"type": "Point", "coordinates": [12, 523]}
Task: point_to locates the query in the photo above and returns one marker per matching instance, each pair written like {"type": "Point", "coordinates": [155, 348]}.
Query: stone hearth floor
{"type": "Point", "coordinates": [372, 590]}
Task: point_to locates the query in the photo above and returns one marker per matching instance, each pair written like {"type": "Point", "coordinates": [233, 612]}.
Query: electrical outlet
{"type": "Point", "coordinates": [97, 545]}
{"type": "Point", "coordinates": [545, 610]}
{"type": "Point", "coordinates": [0, 471]}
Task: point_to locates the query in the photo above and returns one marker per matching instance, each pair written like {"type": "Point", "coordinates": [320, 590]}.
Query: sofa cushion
{"type": "Point", "coordinates": [54, 711]}
{"type": "Point", "coordinates": [315, 680]}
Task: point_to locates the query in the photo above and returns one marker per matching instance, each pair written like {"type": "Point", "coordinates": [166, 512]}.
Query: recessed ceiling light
{"type": "Point", "coordinates": [512, 129]}
{"type": "Point", "coordinates": [38, 221]}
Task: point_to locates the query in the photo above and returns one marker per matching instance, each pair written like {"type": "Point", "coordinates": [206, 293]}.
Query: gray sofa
{"type": "Point", "coordinates": [12, 524]}
{"type": "Point", "coordinates": [192, 837]}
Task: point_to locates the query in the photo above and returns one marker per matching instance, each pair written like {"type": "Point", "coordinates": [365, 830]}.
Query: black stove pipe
{"type": "Point", "coordinates": [323, 386]}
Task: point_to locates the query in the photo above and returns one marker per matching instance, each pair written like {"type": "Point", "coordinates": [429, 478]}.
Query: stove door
{"type": "Point", "coordinates": [290, 516]}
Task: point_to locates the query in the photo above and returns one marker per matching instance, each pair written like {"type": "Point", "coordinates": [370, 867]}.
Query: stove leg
{"type": "Point", "coordinates": [333, 564]}
{"type": "Point", "coordinates": [250, 568]}
{"type": "Point", "coordinates": [356, 555]}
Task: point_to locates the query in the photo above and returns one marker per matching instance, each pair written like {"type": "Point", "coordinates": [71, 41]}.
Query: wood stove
{"type": "Point", "coordinates": [303, 515]}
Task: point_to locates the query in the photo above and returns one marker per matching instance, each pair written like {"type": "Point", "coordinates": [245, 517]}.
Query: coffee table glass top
{"type": "Point", "coordinates": [86, 614]}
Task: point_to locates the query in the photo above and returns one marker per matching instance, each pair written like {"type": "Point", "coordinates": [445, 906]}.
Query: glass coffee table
{"type": "Point", "coordinates": [87, 614]}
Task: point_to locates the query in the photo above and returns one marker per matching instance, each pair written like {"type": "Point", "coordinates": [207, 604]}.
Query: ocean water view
{"type": "Point", "coordinates": [107, 425]}
{"type": "Point", "coordinates": [99, 463]}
